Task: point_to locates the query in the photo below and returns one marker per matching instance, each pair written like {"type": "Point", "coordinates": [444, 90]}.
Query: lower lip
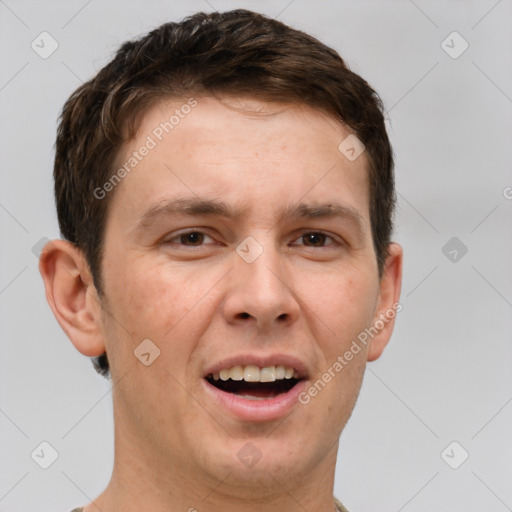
{"type": "Point", "coordinates": [256, 410]}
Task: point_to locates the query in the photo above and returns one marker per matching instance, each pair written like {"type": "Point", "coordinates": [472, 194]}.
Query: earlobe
{"type": "Point", "coordinates": [71, 294]}
{"type": "Point", "coordinates": [389, 305]}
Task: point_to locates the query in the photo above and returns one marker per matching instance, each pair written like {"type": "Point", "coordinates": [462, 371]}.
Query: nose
{"type": "Point", "coordinates": [260, 291]}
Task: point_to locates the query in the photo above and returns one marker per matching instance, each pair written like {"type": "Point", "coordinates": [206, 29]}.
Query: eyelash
{"type": "Point", "coordinates": [302, 235]}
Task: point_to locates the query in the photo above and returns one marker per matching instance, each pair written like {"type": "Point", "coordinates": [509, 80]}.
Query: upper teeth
{"type": "Point", "coordinates": [253, 373]}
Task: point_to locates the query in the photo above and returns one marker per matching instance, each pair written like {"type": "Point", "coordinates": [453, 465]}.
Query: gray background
{"type": "Point", "coordinates": [447, 373]}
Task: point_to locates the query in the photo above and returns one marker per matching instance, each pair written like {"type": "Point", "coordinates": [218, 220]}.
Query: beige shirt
{"type": "Point", "coordinates": [340, 507]}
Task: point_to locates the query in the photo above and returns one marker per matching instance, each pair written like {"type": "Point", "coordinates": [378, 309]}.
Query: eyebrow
{"type": "Point", "coordinates": [191, 207]}
{"type": "Point", "coordinates": [215, 208]}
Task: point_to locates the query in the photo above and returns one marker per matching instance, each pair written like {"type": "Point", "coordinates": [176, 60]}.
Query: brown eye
{"type": "Point", "coordinates": [314, 239]}
{"type": "Point", "coordinates": [192, 238]}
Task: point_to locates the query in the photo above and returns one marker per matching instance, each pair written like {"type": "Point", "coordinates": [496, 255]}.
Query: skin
{"type": "Point", "coordinates": [175, 449]}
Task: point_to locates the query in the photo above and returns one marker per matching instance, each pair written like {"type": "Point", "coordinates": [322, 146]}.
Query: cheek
{"type": "Point", "coordinates": [349, 306]}
{"type": "Point", "coordinates": [171, 306]}
{"type": "Point", "coordinates": [147, 296]}
{"type": "Point", "coordinates": [342, 305]}
{"type": "Point", "coordinates": [136, 297]}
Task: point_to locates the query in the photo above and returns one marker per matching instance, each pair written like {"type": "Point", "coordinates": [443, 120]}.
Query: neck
{"type": "Point", "coordinates": [146, 476]}
{"type": "Point", "coordinates": [141, 481]}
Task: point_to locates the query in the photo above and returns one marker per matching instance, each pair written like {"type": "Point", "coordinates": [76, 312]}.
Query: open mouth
{"type": "Point", "coordinates": [257, 391]}
{"type": "Point", "coordinates": [254, 390]}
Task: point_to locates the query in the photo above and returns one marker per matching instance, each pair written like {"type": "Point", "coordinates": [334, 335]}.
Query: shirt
{"type": "Point", "coordinates": [338, 504]}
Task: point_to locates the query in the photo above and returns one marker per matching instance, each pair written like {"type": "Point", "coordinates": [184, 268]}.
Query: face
{"type": "Point", "coordinates": [240, 246]}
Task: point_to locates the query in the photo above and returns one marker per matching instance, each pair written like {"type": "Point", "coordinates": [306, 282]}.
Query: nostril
{"type": "Point", "coordinates": [244, 315]}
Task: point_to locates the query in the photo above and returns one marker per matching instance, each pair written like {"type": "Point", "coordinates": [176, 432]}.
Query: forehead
{"type": "Point", "coordinates": [241, 150]}
{"type": "Point", "coordinates": [223, 122]}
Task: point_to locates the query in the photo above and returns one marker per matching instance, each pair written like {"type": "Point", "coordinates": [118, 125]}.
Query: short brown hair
{"type": "Point", "coordinates": [237, 52]}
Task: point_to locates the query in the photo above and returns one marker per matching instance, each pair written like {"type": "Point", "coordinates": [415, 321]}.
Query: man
{"type": "Point", "coordinates": [225, 190]}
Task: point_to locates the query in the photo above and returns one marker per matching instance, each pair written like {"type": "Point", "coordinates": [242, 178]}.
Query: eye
{"type": "Point", "coordinates": [189, 239]}
{"type": "Point", "coordinates": [316, 239]}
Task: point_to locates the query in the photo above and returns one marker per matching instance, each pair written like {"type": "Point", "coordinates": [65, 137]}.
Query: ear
{"type": "Point", "coordinates": [389, 306]}
{"type": "Point", "coordinates": [71, 294]}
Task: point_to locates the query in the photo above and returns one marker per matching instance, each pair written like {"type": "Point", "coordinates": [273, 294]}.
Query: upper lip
{"type": "Point", "coordinates": [262, 361]}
